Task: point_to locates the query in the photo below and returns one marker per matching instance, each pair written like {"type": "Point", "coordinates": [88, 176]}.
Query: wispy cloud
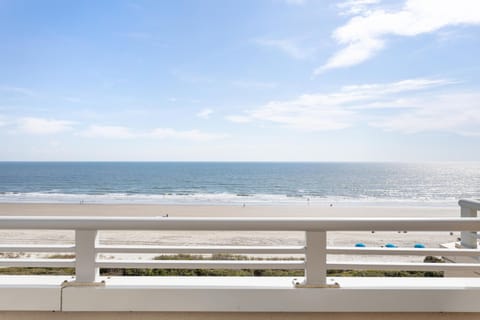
{"type": "Point", "coordinates": [193, 135]}
{"type": "Point", "coordinates": [108, 132]}
{"type": "Point", "coordinates": [381, 89]}
{"type": "Point", "coordinates": [287, 46]}
{"type": "Point", "coordinates": [406, 106]}
{"type": "Point", "coordinates": [122, 132]}
{"type": "Point", "coordinates": [205, 113]}
{"type": "Point", "coordinates": [32, 125]}
{"type": "Point", "coordinates": [239, 118]}
{"type": "Point", "coordinates": [308, 112]}
{"type": "Point", "coordinates": [453, 112]}
{"type": "Point", "coordinates": [355, 7]}
{"type": "Point", "coordinates": [367, 31]}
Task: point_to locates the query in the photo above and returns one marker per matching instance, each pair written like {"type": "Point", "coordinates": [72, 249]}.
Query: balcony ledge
{"type": "Point", "coordinates": [240, 294]}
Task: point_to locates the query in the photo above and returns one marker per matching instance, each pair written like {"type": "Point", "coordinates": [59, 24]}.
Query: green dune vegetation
{"type": "Point", "coordinates": [218, 272]}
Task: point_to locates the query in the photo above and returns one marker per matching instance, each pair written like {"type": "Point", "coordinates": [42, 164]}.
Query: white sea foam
{"type": "Point", "coordinates": [214, 199]}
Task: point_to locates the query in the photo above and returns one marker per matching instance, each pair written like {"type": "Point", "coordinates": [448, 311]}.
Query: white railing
{"type": "Point", "coordinates": [87, 248]}
{"type": "Point", "coordinates": [468, 209]}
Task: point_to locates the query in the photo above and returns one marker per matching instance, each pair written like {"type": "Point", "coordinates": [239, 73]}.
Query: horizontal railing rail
{"type": "Point", "coordinates": [203, 264]}
{"type": "Point", "coordinates": [404, 251]}
{"type": "Point", "coordinates": [37, 248]}
{"type": "Point", "coordinates": [38, 263]}
{"type": "Point", "coordinates": [87, 250]}
{"type": "Point", "coordinates": [239, 224]}
{"type": "Point", "coordinates": [202, 249]}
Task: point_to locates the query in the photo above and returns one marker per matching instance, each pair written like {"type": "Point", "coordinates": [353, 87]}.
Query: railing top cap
{"type": "Point", "coordinates": [469, 203]}
{"type": "Point", "coordinates": [246, 224]}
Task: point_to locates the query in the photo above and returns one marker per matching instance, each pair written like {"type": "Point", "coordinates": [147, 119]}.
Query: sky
{"type": "Point", "coordinates": [260, 80]}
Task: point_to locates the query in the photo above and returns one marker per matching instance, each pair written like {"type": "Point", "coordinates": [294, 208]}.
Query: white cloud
{"type": "Point", "coordinates": [120, 132]}
{"type": "Point", "coordinates": [365, 34]}
{"type": "Point", "coordinates": [396, 87]}
{"type": "Point", "coordinates": [307, 112]}
{"type": "Point", "coordinates": [353, 7]}
{"type": "Point", "coordinates": [193, 135]}
{"type": "Point", "coordinates": [407, 106]}
{"type": "Point", "coordinates": [205, 113]}
{"type": "Point", "coordinates": [454, 112]}
{"type": "Point", "coordinates": [238, 118]}
{"type": "Point", "coordinates": [354, 53]}
{"type": "Point", "coordinates": [287, 46]}
{"type": "Point", "coordinates": [108, 132]}
{"type": "Point", "coordinates": [43, 126]}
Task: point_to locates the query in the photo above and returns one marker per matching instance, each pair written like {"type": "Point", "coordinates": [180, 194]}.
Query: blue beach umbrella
{"type": "Point", "coordinates": [390, 245]}
{"type": "Point", "coordinates": [419, 246]}
{"type": "Point", "coordinates": [360, 245]}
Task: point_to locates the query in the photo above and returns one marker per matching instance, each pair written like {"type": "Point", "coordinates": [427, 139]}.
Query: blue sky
{"type": "Point", "coordinates": [271, 80]}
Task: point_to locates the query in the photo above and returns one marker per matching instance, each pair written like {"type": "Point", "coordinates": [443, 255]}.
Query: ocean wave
{"type": "Point", "coordinates": [214, 199]}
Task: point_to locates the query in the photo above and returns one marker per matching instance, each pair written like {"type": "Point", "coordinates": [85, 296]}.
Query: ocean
{"type": "Point", "coordinates": [224, 183]}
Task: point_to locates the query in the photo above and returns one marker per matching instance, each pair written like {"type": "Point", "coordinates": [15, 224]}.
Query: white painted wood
{"type": "Point", "coordinates": [315, 258]}
{"type": "Point", "coordinates": [202, 249]}
{"type": "Point", "coordinates": [36, 248]}
{"type": "Point", "coordinates": [241, 294]}
{"type": "Point", "coordinates": [246, 224]}
{"type": "Point", "coordinates": [246, 294]}
{"type": "Point", "coordinates": [201, 264]}
{"type": "Point", "coordinates": [85, 267]}
{"type": "Point", "coordinates": [295, 264]}
{"type": "Point", "coordinates": [271, 300]}
{"type": "Point", "coordinates": [469, 237]}
{"type": "Point", "coordinates": [30, 293]}
{"type": "Point", "coordinates": [86, 247]}
{"type": "Point", "coordinates": [50, 263]}
{"type": "Point", "coordinates": [243, 249]}
{"type": "Point", "coordinates": [403, 251]}
{"type": "Point", "coordinates": [403, 266]}
{"type": "Point", "coordinates": [275, 295]}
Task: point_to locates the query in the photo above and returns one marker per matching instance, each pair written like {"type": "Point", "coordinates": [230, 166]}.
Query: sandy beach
{"type": "Point", "coordinates": [9, 209]}
{"type": "Point", "coordinates": [377, 239]}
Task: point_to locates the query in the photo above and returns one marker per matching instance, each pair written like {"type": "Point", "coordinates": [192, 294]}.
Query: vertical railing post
{"type": "Point", "coordinates": [468, 238]}
{"type": "Point", "coordinates": [316, 258]}
{"type": "Point", "coordinates": [85, 266]}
